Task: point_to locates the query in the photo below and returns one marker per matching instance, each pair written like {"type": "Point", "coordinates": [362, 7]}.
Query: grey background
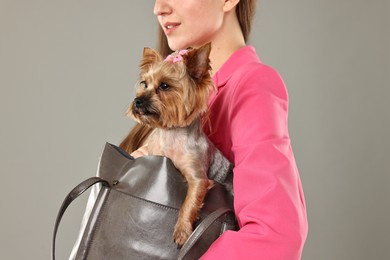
{"type": "Point", "coordinates": [67, 74]}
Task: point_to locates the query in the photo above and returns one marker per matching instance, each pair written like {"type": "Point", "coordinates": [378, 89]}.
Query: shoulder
{"type": "Point", "coordinates": [258, 79]}
{"type": "Point", "coordinates": [256, 71]}
{"type": "Point", "coordinates": [245, 72]}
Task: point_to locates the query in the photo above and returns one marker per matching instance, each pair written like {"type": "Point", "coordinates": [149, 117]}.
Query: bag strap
{"type": "Point", "coordinates": [200, 229]}
{"type": "Point", "coordinates": [77, 191]}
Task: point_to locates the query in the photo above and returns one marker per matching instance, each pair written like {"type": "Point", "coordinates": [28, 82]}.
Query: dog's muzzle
{"type": "Point", "coordinates": [140, 106]}
{"type": "Point", "coordinates": [138, 102]}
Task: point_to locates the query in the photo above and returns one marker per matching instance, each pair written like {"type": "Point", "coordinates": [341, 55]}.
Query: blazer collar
{"type": "Point", "coordinates": [246, 54]}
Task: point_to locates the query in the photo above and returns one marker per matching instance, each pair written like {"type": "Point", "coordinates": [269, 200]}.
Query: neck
{"type": "Point", "coordinates": [228, 40]}
{"type": "Point", "coordinates": [194, 128]}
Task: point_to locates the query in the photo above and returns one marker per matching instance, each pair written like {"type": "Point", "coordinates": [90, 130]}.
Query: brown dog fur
{"type": "Point", "coordinates": [170, 101]}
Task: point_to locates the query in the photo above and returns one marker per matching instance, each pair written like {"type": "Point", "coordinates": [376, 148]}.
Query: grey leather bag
{"type": "Point", "coordinates": [137, 208]}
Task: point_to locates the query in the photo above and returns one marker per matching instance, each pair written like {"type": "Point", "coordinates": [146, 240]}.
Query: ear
{"type": "Point", "coordinates": [149, 57]}
{"type": "Point", "coordinates": [229, 5]}
{"type": "Point", "coordinates": [198, 62]}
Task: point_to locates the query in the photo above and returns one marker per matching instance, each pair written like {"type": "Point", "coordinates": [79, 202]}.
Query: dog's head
{"type": "Point", "coordinates": [172, 92]}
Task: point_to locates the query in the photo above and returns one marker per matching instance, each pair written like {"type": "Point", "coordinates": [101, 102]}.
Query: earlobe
{"type": "Point", "coordinates": [229, 5]}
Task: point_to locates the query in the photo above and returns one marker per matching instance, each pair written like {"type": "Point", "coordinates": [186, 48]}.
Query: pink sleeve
{"type": "Point", "coordinates": [269, 201]}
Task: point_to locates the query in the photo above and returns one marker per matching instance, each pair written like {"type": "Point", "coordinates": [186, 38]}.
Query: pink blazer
{"type": "Point", "coordinates": [248, 117]}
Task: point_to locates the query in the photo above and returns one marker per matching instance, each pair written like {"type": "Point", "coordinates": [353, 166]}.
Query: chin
{"type": "Point", "coordinates": [178, 45]}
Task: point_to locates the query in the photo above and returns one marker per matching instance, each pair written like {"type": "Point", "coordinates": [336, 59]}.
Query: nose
{"type": "Point", "coordinates": [138, 102]}
{"type": "Point", "coordinates": [161, 7]}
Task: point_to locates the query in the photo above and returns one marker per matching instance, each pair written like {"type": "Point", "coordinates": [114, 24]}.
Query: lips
{"type": "Point", "coordinates": [169, 27]}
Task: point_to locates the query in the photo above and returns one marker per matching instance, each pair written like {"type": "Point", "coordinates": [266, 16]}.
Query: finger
{"type": "Point", "coordinates": [142, 151]}
{"type": "Point", "coordinates": [137, 154]}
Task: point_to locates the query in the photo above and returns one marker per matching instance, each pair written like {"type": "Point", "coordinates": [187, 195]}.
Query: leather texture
{"type": "Point", "coordinates": [134, 216]}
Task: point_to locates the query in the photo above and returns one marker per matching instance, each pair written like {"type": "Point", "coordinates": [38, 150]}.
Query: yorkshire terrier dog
{"type": "Point", "coordinates": [170, 101]}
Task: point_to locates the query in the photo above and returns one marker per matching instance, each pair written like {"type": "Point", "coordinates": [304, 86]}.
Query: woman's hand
{"type": "Point", "coordinates": [142, 151]}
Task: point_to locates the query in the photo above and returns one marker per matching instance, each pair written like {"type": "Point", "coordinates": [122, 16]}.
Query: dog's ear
{"type": "Point", "coordinates": [198, 62]}
{"type": "Point", "coordinates": [149, 57]}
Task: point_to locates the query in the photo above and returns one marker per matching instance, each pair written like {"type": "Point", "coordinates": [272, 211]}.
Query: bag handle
{"type": "Point", "coordinates": [77, 191]}
{"type": "Point", "coordinates": [200, 229]}
{"type": "Point", "coordinates": [85, 185]}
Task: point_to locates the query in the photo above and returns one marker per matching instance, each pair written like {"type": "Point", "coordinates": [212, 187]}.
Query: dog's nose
{"type": "Point", "coordinates": [138, 102]}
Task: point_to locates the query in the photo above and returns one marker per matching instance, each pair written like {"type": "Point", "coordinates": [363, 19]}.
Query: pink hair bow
{"type": "Point", "coordinates": [176, 56]}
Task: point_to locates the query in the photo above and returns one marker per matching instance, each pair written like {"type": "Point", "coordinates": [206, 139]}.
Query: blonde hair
{"type": "Point", "coordinates": [245, 11]}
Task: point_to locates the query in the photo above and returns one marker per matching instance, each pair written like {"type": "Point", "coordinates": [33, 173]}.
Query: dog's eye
{"type": "Point", "coordinates": [163, 86]}
{"type": "Point", "coordinates": [144, 84]}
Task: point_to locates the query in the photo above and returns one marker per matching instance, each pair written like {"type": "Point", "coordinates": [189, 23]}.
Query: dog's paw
{"type": "Point", "coordinates": [181, 233]}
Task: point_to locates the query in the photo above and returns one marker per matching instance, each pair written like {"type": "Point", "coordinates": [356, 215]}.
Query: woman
{"type": "Point", "coordinates": [248, 116]}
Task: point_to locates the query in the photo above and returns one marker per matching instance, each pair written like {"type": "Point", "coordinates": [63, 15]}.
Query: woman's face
{"type": "Point", "coordinates": [189, 23]}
